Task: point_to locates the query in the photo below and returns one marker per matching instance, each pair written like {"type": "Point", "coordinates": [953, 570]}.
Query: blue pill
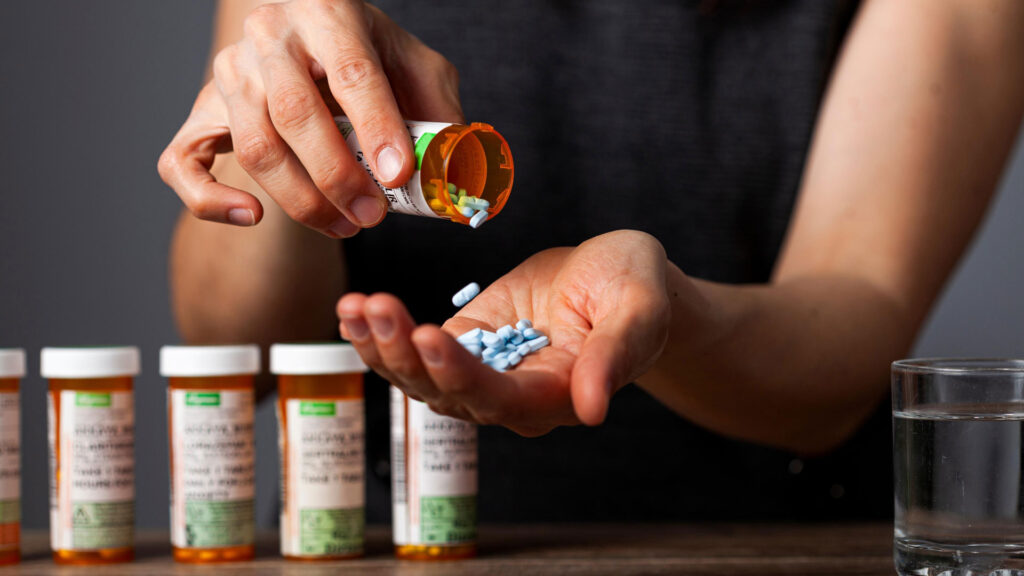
{"type": "Point", "coordinates": [538, 343]}
{"type": "Point", "coordinates": [500, 364]}
{"type": "Point", "coordinates": [473, 349]}
{"type": "Point", "coordinates": [489, 353]}
{"type": "Point", "coordinates": [517, 338]}
{"type": "Point", "coordinates": [523, 349]}
{"type": "Point", "coordinates": [478, 219]}
{"type": "Point", "coordinates": [468, 292]}
{"type": "Point", "coordinates": [514, 358]}
{"type": "Point", "coordinates": [531, 333]}
{"type": "Point", "coordinates": [523, 324]}
{"type": "Point", "coordinates": [493, 340]}
{"type": "Point", "coordinates": [506, 332]}
{"type": "Point", "coordinates": [466, 211]}
{"type": "Point", "coordinates": [471, 336]}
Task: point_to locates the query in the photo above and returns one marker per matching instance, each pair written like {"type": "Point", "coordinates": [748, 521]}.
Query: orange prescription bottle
{"type": "Point", "coordinates": [434, 482]}
{"type": "Point", "coordinates": [321, 438]}
{"type": "Point", "coordinates": [12, 369]}
{"type": "Point", "coordinates": [92, 453]}
{"type": "Point", "coordinates": [451, 160]}
{"type": "Point", "coordinates": [210, 404]}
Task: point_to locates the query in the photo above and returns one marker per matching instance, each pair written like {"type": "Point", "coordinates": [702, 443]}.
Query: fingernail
{"type": "Point", "coordinates": [368, 210]}
{"type": "Point", "coordinates": [429, 354]}
{"type": "Point", "coordinates": [382, 327]}
{"type": "Point", "coordinates": [241, 217]}
{"type": "Point", "coordinates": [343, 228]}
{"type": "Point", "coordinates": [357, 329]}
{"type": "Point", "coordinates": [389, 164]}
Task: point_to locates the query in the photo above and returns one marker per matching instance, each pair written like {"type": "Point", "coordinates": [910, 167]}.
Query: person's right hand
{"type": "Point", "coordinates": [264, 104]}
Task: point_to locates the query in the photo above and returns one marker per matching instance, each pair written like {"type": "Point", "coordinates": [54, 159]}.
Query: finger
{"type": "Point", "coordinates": [356, 329]}
{"type": "Point", "coordinates": [303, 121]}
{"type": "Point", "coordinates": [185, 166]}
{"type": "Point", "coordinates": [425, 83]}
{"type": "Point", "coordinates": [357, 80]}
{"type": "Point", "coordinates": [391, 327]}
{"type": "Point", "coordinates": [262, 153]}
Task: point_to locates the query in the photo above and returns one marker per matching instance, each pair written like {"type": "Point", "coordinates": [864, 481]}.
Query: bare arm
{"type": "Point", "coordinates": [279, 73]}
{"type": "Point", "coordinates": [916, 126]}
{"type": "Point", "coordinates": [273, 282]}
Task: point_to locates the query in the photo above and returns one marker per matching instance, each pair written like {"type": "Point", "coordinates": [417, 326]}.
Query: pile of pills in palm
{"type": "Point", "coordinates": [504, 348]}
{"type": "Point", "coordinates": [470, 207]}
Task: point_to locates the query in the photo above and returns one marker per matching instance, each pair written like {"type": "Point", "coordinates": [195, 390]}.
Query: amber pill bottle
{"type": "Point", "coordinates": [211, 400]}
{"type": "Point", "coordinates": [92, 453]}
{"type": "Point", "coordinates": [321, 431]}
{"type": "Point", "coordinates": [12, 369]}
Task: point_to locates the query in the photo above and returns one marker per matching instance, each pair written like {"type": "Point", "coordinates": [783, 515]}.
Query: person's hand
{"type": "Point", "coordinates": [603, 304]}
{"type": "Point", "coordinates": [265, 104]}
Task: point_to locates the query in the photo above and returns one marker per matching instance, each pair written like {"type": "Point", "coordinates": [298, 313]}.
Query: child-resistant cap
{"type": "Point", "coordinates": [12, 363]}
{"type": "Point", "coordinates": [309, 359]}
{"type": "Point", "coordinates": [199, 361]}
{"type": "Point", "coordinates": [89, 362]}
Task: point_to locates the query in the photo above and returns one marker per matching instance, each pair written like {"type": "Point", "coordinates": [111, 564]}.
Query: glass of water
{"type": "Point", "coordinates": [958, 448]}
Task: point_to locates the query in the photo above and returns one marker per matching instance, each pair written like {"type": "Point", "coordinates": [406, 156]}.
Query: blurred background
{"type": "Point", "coordinates": [91, 93]}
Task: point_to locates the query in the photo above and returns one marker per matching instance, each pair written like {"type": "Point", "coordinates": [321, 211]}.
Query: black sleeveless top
{"type": "Point", "coordinates": [688, 120]}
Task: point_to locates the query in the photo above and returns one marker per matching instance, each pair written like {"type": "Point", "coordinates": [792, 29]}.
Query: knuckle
{"type": "Point", "coordinates": [224, 62]}
{"type": "Point", "coordinates": [167, 165]}
{"type": "Point", "coordinates": [352, 69]}
{"type": "Point", "coordinates": [292, 106]}
{"type": "Point", "coordinates": [255, 151]}
{"type": "Point", "coordinates": [263, 23]}
{"type": "Point", "coordinates": [317, 214]}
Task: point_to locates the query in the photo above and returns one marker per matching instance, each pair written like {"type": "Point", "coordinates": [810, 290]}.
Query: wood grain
{"type": "Point", "coordinates": [584, 550]}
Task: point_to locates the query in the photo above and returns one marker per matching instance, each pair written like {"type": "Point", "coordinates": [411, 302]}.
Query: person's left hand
{"type": "Point", "coordinates": [603, 304]}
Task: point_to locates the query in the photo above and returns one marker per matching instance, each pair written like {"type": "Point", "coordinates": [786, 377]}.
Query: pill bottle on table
{"type": "Point", "coordinates": [321, 438]}
{"type": "Point", "coordinates": [210, 400]}
{"type": "Point", "coordinates": [92, 453]}
{"type": "Point", "coordinates": [434, 482]}
{"type": "Point", "coordinates": [452, 161]}
{"type": "Point", "coordinates": [12, 369]}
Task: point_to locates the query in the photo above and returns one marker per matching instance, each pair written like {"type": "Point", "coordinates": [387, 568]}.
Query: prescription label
{"type": "Point", "coordinates": [408, 199]}
{"type": "Point", "coordinates": [439, 481]}
{"type": "Point", "coordinates": [92, 447]}
{"type": "Point", "coordinates": [324, 491]}
{"type": "Point", "coordinates": [212, 464]}
{"type": "Point", "coordinates": [10, 468]}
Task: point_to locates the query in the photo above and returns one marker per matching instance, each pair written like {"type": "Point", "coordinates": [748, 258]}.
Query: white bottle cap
{"type": "Point", "coordinates": [89, 362]}
{"type": "Point", "coordinates": [325, 358]}
{"type": "Point", "coordinates": [12, 362]}
{"type": "Point", "coordinates": [199, 361]}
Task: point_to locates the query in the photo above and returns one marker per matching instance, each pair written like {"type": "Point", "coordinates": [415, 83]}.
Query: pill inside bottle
{"type": "Point", "coordinates": [462, 171]}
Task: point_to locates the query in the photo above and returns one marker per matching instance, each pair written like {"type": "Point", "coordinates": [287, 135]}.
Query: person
{"type": "Point", "coordinates": [745, 208]}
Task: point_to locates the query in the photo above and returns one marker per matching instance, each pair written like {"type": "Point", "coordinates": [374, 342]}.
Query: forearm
{"type": "Point", "coordinates": [798, 364]}
{"type": "Point", "coordinates": [271, 282]}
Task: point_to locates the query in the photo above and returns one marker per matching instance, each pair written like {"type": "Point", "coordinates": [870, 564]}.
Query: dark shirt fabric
{"type": "Point", "coordinates": [687, 120]}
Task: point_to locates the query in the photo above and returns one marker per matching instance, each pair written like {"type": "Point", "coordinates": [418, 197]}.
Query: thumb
{"type": "Point", "coordinates": [619, 348]}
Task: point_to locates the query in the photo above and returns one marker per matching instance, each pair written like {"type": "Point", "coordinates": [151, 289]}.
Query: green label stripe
{"type": "Point", "coordinates": [316, 408]}
{"type": "Point", "coordinates": [336, 532]}
{"type": "Point", "coordinates": [202, 399]}
{"type": "Point", "coordinates": [96, 525]}
{"type": "Point", "coordinates": [448, 519]}
{"type": "Point", "coordinates": [96, 399]}
{"type": "Point", "coordinates": [10, 511]}
{"type": "Point", "coordinates": [219, 524]}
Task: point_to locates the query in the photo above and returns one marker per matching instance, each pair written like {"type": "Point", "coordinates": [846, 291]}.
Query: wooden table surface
{"type": "Point", "coordinates": [769, 549]}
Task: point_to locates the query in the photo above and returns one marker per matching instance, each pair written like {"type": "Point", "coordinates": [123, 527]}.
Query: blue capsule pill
{"type": "Point", "coordinates": [523, 349]}
{"type": "Point", "coordinates": [468, 292]}
{"type": "Point", "coordinates": [531, 333]}
{"type": "Point", "coordinates": [478, 219]}
{"type": "Point", "coordinates": [493, 340]}
{"type": "Point", "coordinates": [471, 336]}
{"type": "Point", "coordinates": [523, 324]}
{"type": "Point", "coordinates": [538, 343]}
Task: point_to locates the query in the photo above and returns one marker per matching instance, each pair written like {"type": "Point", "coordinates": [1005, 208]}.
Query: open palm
{"type": "Point", "coordinates": [603, 305]}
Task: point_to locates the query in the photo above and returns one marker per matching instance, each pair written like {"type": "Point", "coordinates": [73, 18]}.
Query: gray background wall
{"type": "Point", "coordinates": [90, 92]}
